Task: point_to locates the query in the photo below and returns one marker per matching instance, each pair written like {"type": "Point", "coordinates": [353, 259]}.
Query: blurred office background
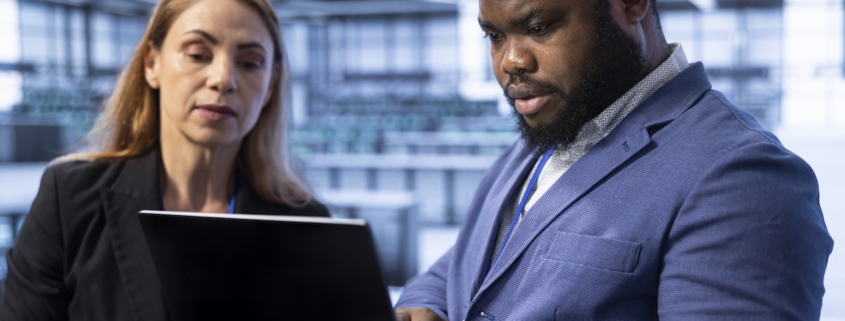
{"type": "Point", "coordinates": [395, 114]}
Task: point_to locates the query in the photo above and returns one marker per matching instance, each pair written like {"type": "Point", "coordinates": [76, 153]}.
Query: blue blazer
{"type": "Point", "coordinates": [688, 210]}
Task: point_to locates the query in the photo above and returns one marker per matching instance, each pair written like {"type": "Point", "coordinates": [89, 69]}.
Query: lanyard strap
{"type": "Point", "coordinates": [232, 199]}
{"type": "Point", "coordinates": [519, 209]}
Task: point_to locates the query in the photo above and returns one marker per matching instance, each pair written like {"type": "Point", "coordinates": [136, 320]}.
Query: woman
{"type": "Point", "coordinates": [195, 124]}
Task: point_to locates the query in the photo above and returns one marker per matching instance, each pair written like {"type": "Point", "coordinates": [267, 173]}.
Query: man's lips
{"type": "Point", "coordinates": [525, 91]}
{"type": "Point", "coordinates": [528, 100]}
{"type": "Point", "coordinates": [216, 113]}
{"type": "Point", "coordinates": [531, 105]}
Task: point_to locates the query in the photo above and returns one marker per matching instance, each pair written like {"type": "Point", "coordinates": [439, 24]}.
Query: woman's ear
{"type": "Point", "coordinates": [151, 66]}
{"type": "Point", "coordinates": [275, 78]}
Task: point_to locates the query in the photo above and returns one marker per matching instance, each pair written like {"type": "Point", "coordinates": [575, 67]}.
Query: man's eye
{"type": "Point", "coordinates": [538, 29]}
{"type": "Point", "coordinates": [492, 36]}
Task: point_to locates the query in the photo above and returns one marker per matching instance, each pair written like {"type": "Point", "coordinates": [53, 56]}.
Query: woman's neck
{"type": "Point", "coordinates": [197, 178]}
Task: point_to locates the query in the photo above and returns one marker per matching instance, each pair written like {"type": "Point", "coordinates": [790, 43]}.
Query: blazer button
{"type": "Point", "coordinates": [486, 316]}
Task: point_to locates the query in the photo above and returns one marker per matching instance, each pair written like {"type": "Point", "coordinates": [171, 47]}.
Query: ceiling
{"type": "Point", "coordinates": [310, 8]}
{"type": "Point", "coordinates": [733, 4]}
{"type": "Point", "coordinates": [292, 9]}
{"type": "Point", "coordinates": [125, 7]}
{"type": "Point", "coordinates": [287, 8]}
{"type": "Point", "coordinates": [707, 5]}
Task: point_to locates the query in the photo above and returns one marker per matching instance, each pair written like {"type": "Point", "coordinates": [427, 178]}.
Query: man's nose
{"type": "Point", "coordinates": [517, 60]}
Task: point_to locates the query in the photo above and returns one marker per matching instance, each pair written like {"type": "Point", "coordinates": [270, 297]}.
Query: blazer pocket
{"type": "Point", "coordinates": [594, 251]}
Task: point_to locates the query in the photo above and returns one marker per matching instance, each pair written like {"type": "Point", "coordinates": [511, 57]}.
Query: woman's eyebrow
{"type": "Point", "coordinates": [251, 45]}
{"type": "Point", "coordinates": [214, 41]}
{"type": "Point", "coordinates": [204, 34]}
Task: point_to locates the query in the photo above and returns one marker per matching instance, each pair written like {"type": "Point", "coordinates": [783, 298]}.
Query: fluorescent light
{"type": "Point", "coordinates": [704, 5]}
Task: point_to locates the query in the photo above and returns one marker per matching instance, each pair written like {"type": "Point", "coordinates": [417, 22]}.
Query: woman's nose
{"type": "Point", "coordinates": [222, 75]}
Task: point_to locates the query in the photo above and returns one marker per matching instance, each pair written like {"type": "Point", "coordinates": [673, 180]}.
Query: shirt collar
{"type": "Point", "coordinates": [604, 123]}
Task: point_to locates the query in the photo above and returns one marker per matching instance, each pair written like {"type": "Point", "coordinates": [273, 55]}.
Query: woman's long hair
{"type": "Point", "coordinates": [129, 125]}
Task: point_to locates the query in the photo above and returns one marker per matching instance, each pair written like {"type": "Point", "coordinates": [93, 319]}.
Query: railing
{"type": "Point", "coordinates": [443, 184]}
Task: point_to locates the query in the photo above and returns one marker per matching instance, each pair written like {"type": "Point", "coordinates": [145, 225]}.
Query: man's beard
{"type": "Point", "coordinates": [615, 65]}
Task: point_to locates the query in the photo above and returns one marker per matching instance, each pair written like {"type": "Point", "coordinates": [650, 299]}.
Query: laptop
{"type": "Point", "coordinates": [262, 267]}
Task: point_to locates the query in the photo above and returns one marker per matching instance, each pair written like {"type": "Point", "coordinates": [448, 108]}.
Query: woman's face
{"type": "Point", "coordinates": [214, 73]}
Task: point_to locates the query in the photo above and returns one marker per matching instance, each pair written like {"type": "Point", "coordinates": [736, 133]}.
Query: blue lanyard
{"type": "Point", "coordinates": [231, 200]}
{"type": "Point", "coordinates": [528, 190]}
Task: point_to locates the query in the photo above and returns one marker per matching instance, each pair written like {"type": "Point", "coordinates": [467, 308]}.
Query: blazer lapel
{"type": "Point", "coordinates": [625, 141]}
{"type": "Point", "coordinates": [135, 188]}
{"type": "Point", "coordinates": [585, 173]}
{"type": "Point", "coordinates": [492, 210]}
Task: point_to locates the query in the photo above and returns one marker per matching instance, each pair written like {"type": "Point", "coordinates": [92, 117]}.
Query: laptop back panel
{"type": "Point", "coordinates": [255, 267]}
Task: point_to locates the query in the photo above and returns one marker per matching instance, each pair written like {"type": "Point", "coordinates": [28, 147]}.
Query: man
{"type": "Point", "coordinates": [636, 191]}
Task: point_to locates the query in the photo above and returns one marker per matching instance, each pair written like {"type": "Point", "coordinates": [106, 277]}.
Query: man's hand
{"type": "Point", "coordinates": [417, 314]}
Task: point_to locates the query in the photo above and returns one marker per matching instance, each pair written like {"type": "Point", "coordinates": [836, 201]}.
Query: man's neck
{"type": "Point", "coordinates": [656, 54]}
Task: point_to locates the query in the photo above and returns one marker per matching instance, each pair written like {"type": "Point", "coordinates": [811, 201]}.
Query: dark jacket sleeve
{"type": "Point", "coordinates": [34, 288]}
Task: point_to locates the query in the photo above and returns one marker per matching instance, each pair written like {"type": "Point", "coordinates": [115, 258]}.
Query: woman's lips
{"type": "Point", "coordinates": [530, 105]}
{"type": "Point", "coordinates": [216, 113]}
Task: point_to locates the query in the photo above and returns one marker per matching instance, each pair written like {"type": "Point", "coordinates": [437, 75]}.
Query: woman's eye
{"type": "Point", "coordinates": [251, 65]}
{"type": "Point", "coordinates": [198, 57]}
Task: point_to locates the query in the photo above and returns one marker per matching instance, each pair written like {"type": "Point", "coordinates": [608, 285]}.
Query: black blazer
{"type": "Point", "coordinates": [81, 254]}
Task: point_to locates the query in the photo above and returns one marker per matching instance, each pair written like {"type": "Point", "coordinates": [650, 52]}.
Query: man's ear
{"type": "Point", "coordinates": [152, 63]}
{"type": "Point", "coordinates": [635, 10]}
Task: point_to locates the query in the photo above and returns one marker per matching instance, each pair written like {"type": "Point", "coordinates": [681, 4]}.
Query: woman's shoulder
{"type": "Point", "coordinates": [78, 165]}
{"type": "Point", "coordinates": [252, 202]}
{"type": "Point", "coordinates": [312, 208]}
{"type": "Point", "coordinates": [82, 172]}
{"type": "Point", "coordinates": [257, 205]}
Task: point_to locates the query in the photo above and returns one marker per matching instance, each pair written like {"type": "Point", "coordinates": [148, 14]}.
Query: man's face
{"type": "Point", "coordinates": [559, 62]}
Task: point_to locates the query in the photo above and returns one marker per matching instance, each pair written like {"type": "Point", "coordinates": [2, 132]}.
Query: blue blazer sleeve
{"type": "Point", "coordinates": [34, 287]}
{"type": "Point", "coordinates": [428, 290]}
{"type": "Point", "coordinates": [749, 242]}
